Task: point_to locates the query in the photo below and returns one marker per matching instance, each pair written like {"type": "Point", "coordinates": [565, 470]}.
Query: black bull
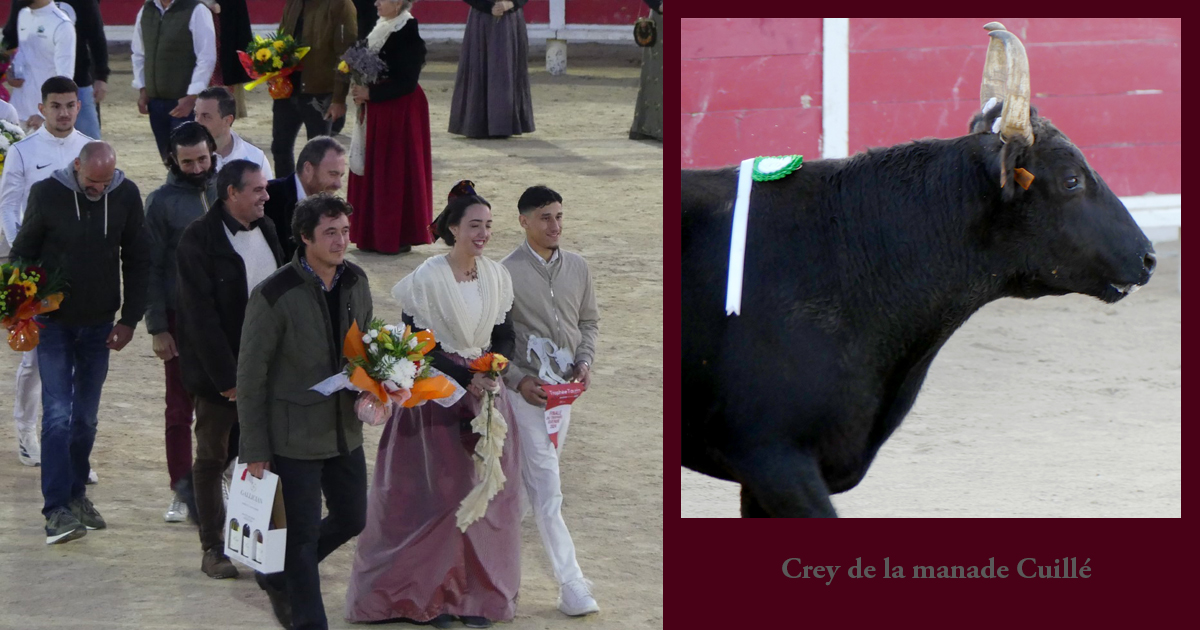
{"type": "Point", "coordinates": [857, 271]}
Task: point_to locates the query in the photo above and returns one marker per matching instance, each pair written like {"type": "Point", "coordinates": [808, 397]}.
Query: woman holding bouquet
{"type": "Point", "coordinates": [413, 562]}
{"type": "Point", "coordinates": [391, 173]}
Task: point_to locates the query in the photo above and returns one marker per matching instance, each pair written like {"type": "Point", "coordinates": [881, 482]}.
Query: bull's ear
{"type": "Point", "coordinates": [988, 118]}
{"type": "Point", "coordinates": [1015, 151]}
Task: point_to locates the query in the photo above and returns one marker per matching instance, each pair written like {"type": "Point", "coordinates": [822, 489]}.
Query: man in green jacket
{"type": "Point", "coordinates": [83, 222]}
{"type": "Point", "coordinates": [291, 340]}
{"type": "Point", "coordinates": [328, 28]}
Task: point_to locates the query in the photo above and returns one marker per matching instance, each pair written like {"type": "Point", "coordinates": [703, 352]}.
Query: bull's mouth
{"type": "Point", "coordinates": [1117, 292]}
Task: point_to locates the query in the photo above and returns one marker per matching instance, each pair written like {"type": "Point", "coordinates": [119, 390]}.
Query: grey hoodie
{"type": "Point", "coordinates": [93, 244]}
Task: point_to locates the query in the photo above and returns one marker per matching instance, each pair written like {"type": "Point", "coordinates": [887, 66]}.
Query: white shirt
{"type": "Point", "coordinates": [28, 162]}
{"type": "Point", "coordinates": [204, 45]}
{"type": "Point", "coordinates": [47, 49]}
{"type": "Point", "coordinates": [553, 257]}
{"type": "Point", "coordinates": [9, 113]}
{"type": "Point", "coordinates": [300, 194]}
{"type": "Point", "coordinates": [256, 255]}
{"type": "Point", "coordinates": [243, 150]}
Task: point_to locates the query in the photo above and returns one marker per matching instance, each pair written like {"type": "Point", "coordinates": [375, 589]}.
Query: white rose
{"type": "Point", "coordinates": [374, 347]}
{"type": "Point", "coordinates": [366, 338]}
{"type": "Point", "coordinates": [374, 333]}
{"type": "Point", "coordinates": [389, 327]}
{"type": "Point", "coordinates": [404, 372]}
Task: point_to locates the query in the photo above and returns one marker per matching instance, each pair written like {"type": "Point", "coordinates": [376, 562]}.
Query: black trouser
{"type": "Point", "coordinates": [288, 116]}
{"type": "Point", "coordinates": [343, 480]}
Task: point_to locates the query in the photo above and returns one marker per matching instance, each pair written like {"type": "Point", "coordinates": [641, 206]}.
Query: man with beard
{"type": "Point", "coordinates": [188, 193]}
{"type": "Point", "coordinates": [320, 168]}
{"type": "Point", "coordinates": [85, 223]}
{"type": "Point", "coordinates": [53, 146]}
{"type": "Point", "coordinates": [221, 258]}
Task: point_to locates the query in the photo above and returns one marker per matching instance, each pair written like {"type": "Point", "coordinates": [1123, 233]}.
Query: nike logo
{"type": "Point", "coordinates": [41, 166]}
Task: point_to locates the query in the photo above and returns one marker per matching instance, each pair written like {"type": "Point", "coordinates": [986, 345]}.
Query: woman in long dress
{"type": "Point", "coordinates": [392, 189]}
{"type": "Point", "coordinates": [491, 91]}
{"type": "Point", "coordinates": [647, 114]}
{"type": "Point", "coordinates": [413, 562]}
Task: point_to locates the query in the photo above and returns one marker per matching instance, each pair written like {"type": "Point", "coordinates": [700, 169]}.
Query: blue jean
{"type": "Point", "coordinates": [73, 362]}
{"type": "Point", "coordinates": [88, 122]}
{"type": "Point", "coordinates": [162, 123]}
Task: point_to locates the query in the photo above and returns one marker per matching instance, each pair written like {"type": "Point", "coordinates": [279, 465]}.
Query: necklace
{"type": "Point", "coordinates": [472, 273]}
{"type": "Point", "coordinates": [468, 275]}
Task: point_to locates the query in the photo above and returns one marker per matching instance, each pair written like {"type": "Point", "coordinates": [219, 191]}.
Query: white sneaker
{"type": "Point", "coordinates": [92, 479]}
{"type": "Point", "coordinates": [575, 598]}
{"type": "Point", "coordinates": [178, 511]}
{"type": "Point", "coordinates": [29, 450]}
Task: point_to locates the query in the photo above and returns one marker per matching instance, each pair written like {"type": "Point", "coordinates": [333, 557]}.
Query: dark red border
{"type": "Point", "coordinates": [728, 573]}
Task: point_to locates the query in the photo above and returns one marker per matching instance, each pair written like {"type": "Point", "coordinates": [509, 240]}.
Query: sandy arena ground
{"type": "Point", "coordinates": [1056, 407]}
{"type": "Point", "coordinates": [142, 573]}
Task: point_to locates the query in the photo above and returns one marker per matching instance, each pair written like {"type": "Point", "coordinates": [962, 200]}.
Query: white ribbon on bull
{"type": "Point", "coordinates": [545, 350]}
{"type": "Point", "coordinates": [737, 244]}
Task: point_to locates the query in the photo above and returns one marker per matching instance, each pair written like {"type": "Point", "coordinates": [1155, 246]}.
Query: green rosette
{"type": "Point", "coordinates": [775, 167]}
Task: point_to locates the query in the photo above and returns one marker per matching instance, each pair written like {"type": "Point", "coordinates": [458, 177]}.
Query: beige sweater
{"type": "Point", "coordinates": [556, 301]}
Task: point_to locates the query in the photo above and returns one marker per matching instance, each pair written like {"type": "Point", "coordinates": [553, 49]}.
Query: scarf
{"type": "Point", "coordinates": [431, 295]}
{"type": "Point", "coordinates": [384, 28]}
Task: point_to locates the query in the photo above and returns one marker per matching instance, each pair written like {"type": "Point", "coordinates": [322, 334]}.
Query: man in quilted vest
{"type": "Point", "coordinates": [174, 52]}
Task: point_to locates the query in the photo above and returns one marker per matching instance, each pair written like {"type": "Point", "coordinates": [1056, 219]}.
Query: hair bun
{"type": "Point", "coordinates": [463, 188]}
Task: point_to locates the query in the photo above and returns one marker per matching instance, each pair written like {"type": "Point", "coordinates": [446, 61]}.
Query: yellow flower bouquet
{"type": "Point", "coordinates": [270, 60]}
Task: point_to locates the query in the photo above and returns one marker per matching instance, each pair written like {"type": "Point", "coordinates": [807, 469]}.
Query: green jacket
{"type": "Point", "coordinates": [287, 347]}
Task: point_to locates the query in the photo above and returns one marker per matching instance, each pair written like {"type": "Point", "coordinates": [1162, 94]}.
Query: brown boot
{"type": "Point", "coordinates": [217, 565]}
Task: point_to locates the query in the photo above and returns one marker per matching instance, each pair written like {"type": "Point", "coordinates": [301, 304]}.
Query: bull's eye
{"type": "Point", "coordinates": [1072, 183]}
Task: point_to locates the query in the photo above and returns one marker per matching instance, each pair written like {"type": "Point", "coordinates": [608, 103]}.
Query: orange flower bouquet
{"type": "Point", "coordinates": [388, 365]}
{"type": "Point", "coordinates": [26, 292]}
{"type": "Point", "coordinates": [492, 429]}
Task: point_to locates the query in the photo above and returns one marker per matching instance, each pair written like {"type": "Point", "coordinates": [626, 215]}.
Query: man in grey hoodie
{"type": "Point", "coordinates": [189, 192]}
{"type": "Point", "coordinates": [85, 223]}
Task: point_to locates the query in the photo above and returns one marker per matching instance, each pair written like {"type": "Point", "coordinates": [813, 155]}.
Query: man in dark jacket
{"type": "Point", "coordinates": [85, 222]}
{"type": "Point", "coordinates": [292, 339]}
{"type": "Point", "coordinates": [321, 169]}
{"type": "Point", "coordinates": [188, 193]}
{"type": "Point", "coordinates": [222, 256]}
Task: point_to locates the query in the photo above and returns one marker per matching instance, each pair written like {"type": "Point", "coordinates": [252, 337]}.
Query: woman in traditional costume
{"type": "Point", "coordinates": [491, 91]}
{"type": "Point", "coordinates": [647, 114]}
{"type": "Point", "coordinates": [427, 555]}
{"type": "Point", "coordinates": [391, 163]}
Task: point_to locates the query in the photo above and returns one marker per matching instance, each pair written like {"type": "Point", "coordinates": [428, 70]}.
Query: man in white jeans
{"type": "Point", "coordinates": [54, 145]}
{"type": "Point", "coordinates": [554, 311]}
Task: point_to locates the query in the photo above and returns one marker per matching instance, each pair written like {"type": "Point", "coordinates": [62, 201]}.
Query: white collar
{"type": "Point", "coordinates": [384, 28]}
{"type": "Point", "coordinates": [553, 257]}
{"type": "Point", "coordinates": [51, 137]}
{"type": "Point", "coordinates": [300, 194]}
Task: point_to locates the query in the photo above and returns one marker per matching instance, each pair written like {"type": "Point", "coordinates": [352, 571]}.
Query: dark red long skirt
{"type": "Point", "coordinates": [393, 200]}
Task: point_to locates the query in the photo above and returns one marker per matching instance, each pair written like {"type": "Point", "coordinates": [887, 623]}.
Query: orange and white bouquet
{"type": "Point", "coordinates": [492, 430]}
{"type": "Point", "coordinates": [388, 365]}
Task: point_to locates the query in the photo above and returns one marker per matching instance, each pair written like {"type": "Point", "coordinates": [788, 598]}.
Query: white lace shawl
{"type": "Point", "coordinates": [430, 295]}
{"type": "Point", "coordinates": [384, 28]}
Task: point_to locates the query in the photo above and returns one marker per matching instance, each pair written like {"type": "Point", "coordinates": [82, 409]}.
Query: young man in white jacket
{"type": "Point", "coordinates": [53, 146]}
{"type": "Point", "coordinates": [46, 48]}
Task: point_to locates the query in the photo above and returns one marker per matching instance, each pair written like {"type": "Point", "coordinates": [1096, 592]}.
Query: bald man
{"type": "Point", "coordinates": [84, 223]}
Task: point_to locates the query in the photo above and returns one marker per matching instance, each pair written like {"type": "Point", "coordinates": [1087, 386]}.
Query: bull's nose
{"type": "Point", "coordinates": [1150, 262]}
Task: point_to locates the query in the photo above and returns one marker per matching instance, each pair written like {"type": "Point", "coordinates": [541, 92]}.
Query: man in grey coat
{"type": "Point", "coordinates": [291, 340]}
{"type": "Point", "coordinates": [188, 193]}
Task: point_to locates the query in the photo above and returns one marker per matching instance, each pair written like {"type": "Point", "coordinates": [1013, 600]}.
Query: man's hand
{"type": "Point", "coordinates": [164, 346]}
{"type": "Point", "coordinates": [34, 122]}
{"type": "Point", "coordinates": [143, 102]}
{"type": "Point", "coordinates": [335, 111]}
{"type": "Point", "coordinates": [230, 393]}
{"type": "Point", "coordinates": [15, 82]}
{"type": "Point", "coordinates": [257, 468]}
{"type": "Point", "coordinates": [531, 390]}
{"type": "Point", "coordinates": [120, 335]}
{"type": "Point", "coordinates": [99, 90]}
{"type": "Point", "coordinates": [184, 108]}
{"type": "Point", "coordinates": [583, 374]}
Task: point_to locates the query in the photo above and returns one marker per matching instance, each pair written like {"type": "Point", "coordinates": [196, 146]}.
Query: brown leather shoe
{"type": "Point", "coordinates": [217, 565]}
